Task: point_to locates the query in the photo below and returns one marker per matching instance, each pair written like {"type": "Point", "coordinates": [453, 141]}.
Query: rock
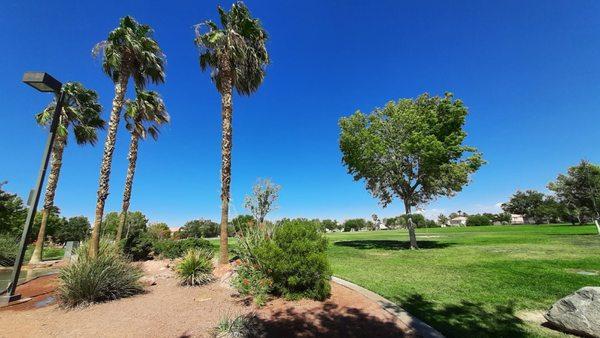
{"type": "Point", "coordinates": [148, 281]}
{"type": "Point", "coordinates": [578, 313]}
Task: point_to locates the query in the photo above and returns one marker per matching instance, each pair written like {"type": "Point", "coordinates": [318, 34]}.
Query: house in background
{"type": "Point", "coordinates": [517, 219]}
{"type": "Point", "coordinates": [460, 221]}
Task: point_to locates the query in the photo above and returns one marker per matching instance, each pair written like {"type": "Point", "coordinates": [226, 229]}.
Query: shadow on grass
{"type": "Point", "coordinates": [466, 319]}
{"type": "Point", "coordinates": [328, 321]}
{"type": "Point", "coordinates": [390, 244]}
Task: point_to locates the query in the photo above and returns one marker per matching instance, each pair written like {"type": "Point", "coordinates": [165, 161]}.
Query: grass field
{"type": "Point", "coordinates": [471, 281]}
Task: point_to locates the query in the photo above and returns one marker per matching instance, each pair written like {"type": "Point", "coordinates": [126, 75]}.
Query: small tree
{"type": "Point", "coordinates": [199, 228]}
{"type": "Point", "coordinates": [159, 231]}
{"type": "Point", "coordinates": [442, 220]}
{"type": "Point", "coordinates": [262, 201]}
{"type": "Point", "coordinates": [75, 229]}
{"type": "Point", "coordinates": [354, 224]}
{"type": "Point", "coordinates": [410, 149]}
{"type": "Point", "coordinates": [579, 191]}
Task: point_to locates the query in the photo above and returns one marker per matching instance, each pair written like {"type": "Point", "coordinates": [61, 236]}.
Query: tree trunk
{"type": "Point", "coordinates": [411, 227]}
{"type": "Point", "coordinates": [132, 157]}
{"type": "Point", "coordinates": [109, 147]}
{"type": "Point", "coordinates": [226, 113]}
{"type": "Point", "coordinates": [57, 154]}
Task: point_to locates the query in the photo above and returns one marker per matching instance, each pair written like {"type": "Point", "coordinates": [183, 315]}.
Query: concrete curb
{"type": "Point", "coordinates": [415, 325]}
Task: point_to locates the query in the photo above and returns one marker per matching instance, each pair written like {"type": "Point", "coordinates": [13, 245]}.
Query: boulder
{"type": "Point", "coordinates": [578, 313]}
{"type": "Point", "coordinates": [148, 281]}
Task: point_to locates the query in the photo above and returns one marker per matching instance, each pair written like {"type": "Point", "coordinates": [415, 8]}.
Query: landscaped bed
{"type": "Point", "coordinates": [170, 310]}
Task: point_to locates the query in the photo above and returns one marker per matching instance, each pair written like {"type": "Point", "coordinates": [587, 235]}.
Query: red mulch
{"type": "Point", "coordinates": [38, 289]}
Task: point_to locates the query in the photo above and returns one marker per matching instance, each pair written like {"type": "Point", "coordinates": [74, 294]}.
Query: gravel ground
{"type": "Point", "coordinates": [169, 310]}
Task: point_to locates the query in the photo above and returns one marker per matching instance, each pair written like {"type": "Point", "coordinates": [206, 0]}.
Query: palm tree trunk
{"type": "Point", "coordinates": [226, 112]}
{"type": "Point", "coordinates": [132, 157]}
{"type": "Point", "coordinates": [57, 154]}
{"type": "Point", "coordinates": [109, 147]}
{"type": "Point", "coordinates": [411, 227]}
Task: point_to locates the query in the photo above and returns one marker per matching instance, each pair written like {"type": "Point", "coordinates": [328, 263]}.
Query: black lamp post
{"type": "Point", "coordinates": [47, 84]}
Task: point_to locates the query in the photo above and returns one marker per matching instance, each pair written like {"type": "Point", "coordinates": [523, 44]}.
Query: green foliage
{"type": "Point", "coordinates": [139, 247]}
{"type": "Point", "coordinates": [145, 114]}
{"type": "Point", "coordinates": [196, 267]}
{"type": "Point", "coordinates": [240, 326]}
{"type": "Point", "coordinates": [75, 229]}
{"type": "Point", "coordinates": [237, 50]}
{"type": "Point", "coordinates": [251, 281]}
{"type": "Point", "coordinates": [330, 225]}
{"type": "Point", "coordinates": [135, 224]}
{"type": "Point", "coordinates": [8, 249]}
{"type": "Point", "coordinates": [159, 231]}
{"type": "Point", "coordinates": [12, 212]}
{"type": "Point", "coordinates": [242, 222]}
{"type": "Point", "coordinates": [355, 224]}
{"type": "Point", "coordinates": [401, 221]}
{"type": "Point", "coordinates": [199, 228]}
{"type": "Point", "coordinates": [296, 261]}
{"type": "Point", "coordinates": [172, 249]}
{"type": "Point", "coordinates": [478, 220]}
{"type": "Point", "coordinates": [535, 206]}
{"type": "Point", "coordinates": [53, 224]}
{"type": "Point", "coordinates": [107, 277]}
{"type": "Point", "coordinates": [579, 191]}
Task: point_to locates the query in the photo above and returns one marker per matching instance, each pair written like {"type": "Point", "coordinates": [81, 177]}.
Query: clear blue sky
{"type": "Point", "coordinates": [529, 71]}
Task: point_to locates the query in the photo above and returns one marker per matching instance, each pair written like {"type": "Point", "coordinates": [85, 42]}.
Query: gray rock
{"type": "Point", "coordinates": [148, 281]}
{"type": "Point", "coordinates": [578, 313]}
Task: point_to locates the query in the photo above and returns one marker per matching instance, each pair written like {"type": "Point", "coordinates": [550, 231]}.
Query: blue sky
{"type": "Point", "coordinates": [529, 71]}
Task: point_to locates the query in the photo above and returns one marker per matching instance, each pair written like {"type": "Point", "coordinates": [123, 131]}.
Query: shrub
{"type": "Point", "coordinates": [138, 247]}
{"type": "Point", "coordinates": [196, 267]}
{"type": "Point", "coordinates": [355, 224]}
{"type": "Point", "coordinates": [239, 326]}
{"type": "Point", "coordinates": [172, 249]}
{"type": "Point", "coordinates": [251, 281]}
{"type": "Point", "coordinates": [8, 250]}
{"type": "Point", "coordinates": [199, 228]}
{"type": "Point", "coordinates": [90, 280]}
{"type": "Point", "coordinates": [296, 261]}
{"type": "Point", "coordinates": [478, 220]}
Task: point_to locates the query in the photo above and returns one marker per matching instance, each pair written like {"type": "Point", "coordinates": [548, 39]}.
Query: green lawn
{"type": "Point", "coordinates": [471, 281]}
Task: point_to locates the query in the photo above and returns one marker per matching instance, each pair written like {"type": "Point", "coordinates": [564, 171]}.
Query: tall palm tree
{"type": "Point", "coordinates": [237, 56]}
{"type": "Point", "coordinates": [144, 115]}
{"type": "Point", "coordinates": [81, 112]}
{"type": "Point", "coordinates": [129, 51]}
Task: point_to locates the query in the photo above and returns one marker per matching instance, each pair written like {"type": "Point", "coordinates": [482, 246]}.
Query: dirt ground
{"type": "Point", "coordinates": [169, 310]}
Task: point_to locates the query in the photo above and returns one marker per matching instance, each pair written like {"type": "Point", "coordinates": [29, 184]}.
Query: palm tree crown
{"type": "Point", "coordinates": [80, 110]}
{"type": "Point", "coordinates": [130, 50]}
{"type": "Point", "coordinates": [145, 114]}
{"type": "Point", "coordinates": [238, 47]}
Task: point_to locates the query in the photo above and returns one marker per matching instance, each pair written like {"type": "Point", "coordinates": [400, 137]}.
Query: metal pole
{"type": "Point", "coordinates": [33, 206]}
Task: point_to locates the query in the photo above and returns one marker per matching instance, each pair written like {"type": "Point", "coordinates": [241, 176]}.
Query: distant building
{"type": "Point", "coordinates": [517, 219]}
{"type": "Point", "coordinates": [459, 221]}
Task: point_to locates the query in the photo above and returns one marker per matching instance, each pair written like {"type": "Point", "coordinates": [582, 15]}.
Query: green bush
{"type": "Point", "coordinates": [296, 261]}
{"type": "Point", "coordinates": [239, 326]}
{"type": "Point", "coordinates": [250, 281]}
{"type": "Point", "coordinates": [8, 250]}
{"type": "Point", "coordinates": [478, 220]}
{"type": "Point", "coordinates": [90, 280]}
{"type": "Point", "coordinates": [138, 247]}
{"type": "Point", "coordinates": [196, 267]}
{"type": "Point", "coordinates": [172, 249]}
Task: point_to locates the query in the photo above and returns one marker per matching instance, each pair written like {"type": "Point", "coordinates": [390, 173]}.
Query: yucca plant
{"type": "Point", "coordinates": [240, 326]}
{"type": "Point", "coordinates": [105, 277]}
{"type": "Point", "coordinates": [196, 267]}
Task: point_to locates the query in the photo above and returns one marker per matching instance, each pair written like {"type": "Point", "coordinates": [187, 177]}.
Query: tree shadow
{"type": "Point", "coordinates": [391, 244]}
{"type": "Point", "coordinates": [466, 319]}
{"type": "Point", "coordinates": [328, 321]}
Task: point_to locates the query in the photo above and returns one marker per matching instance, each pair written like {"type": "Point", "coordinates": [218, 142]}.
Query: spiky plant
{"type": "Point", "coordinates": [81, 113]}
{"type": "Point", "coordinates": [237, 55]}
{"type": "Point", "coordinates": [196, 267]}
{"type": "Point", "coordinates": [129, 52]}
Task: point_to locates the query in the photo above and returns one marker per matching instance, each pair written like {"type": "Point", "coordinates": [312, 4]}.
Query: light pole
{"type": "Point", "coordinates": [47, 84]}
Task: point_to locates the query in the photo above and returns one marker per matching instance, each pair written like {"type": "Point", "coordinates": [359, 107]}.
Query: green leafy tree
{"type": "Point", "coordinates": [159, 231]}
{"type": "Point", "coordinates": [81, 113]}
{"type": "Point", "coordinates": [478, 220]}
{"type": "Point", "coordinates": [135, 225]}
{"type": "Point", "coordinates": [330, 224]}
{"type": "Point", "coordinates": [75, 229]}
{"type": "Point", "coordinates": [129, 52]}
{"type": "Point", "coordinates": [53, 223]}
{"type": "Point", "coordinates": [354, 224]}
{"type": "Point", "coordinates": [262, 201]}
{"type": "Point", "coordinates": [529, 204]}
{"type": "Point", "coordinates": [242, 222]}
{"type": "Point", "coordinates": [12, 212]}
{"type": "Point", "coordinates": [237, 55]}
{"type": "Point", "coordinates": [579, 191]}
{"type": "Point", "coordinates": [144, 116]}
{"type": "Point", "coordinates": [199, 228]}
{"type": "Point", "coordinates": [442, 220]}
{"type": "Point", "coordinates": [411, 149]}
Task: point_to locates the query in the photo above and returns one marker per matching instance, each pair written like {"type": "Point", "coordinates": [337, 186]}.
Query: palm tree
{"type": "Point", "coordinates": [81, 111]}
{"type": "Point", "coordinates": [129, 51]}
{"type": "Point", "coordinates": [237, 57]}
{"type": "Point", "coordinates": [143, 116]}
